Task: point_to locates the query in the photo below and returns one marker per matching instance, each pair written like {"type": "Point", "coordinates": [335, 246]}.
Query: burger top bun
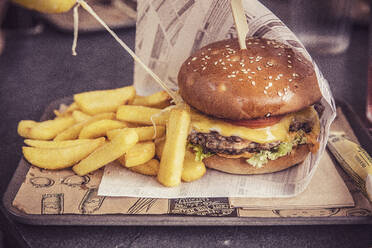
{"type": "Point", "coordinates": [268, 78]}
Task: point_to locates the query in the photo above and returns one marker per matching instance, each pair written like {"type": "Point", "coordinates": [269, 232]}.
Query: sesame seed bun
{"type": "Point", "coordinates": [239, 166]}
{"type": "Point", "coordinates": [267, 79]}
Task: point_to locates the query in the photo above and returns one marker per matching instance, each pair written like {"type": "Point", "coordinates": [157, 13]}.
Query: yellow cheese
{"type": "Point", "coordinates": [277, 132]}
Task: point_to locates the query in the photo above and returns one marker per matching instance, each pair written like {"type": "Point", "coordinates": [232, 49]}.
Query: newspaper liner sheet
{"type": "Point", "coordinates": [167, 33]}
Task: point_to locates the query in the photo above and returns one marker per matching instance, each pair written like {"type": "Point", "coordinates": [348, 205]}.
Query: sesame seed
{"type": "Point", "coordinates": [230, 65]}
{"type": "Point", "coordinates": [267, 87]}
{"type": "Point", "coordinates": [203, 68]}
{"type": "Point", "coordinates": [267, 115]}
{"type": "Point", "coordinates": [280, 93]}
{"type": "Point", "coordinates": [209, 49]}
{"type": "Point", "coordinates": [299, 59]}
{"type": "Point", "coordinates": [222, 63]}
{"type": "Point", "coordinates": [249, 43]}
{"type": "Point", "coordinates": [188, 62]}
{"type": "Point", "coordinates": [220, 60]}
{"type": "Point", "coordinates": [202, 53]}
{"type": "Point", "coordinates": [288, 56]}
{"type": "Point", "coordinates": [240, 79]}
{"type": "Point", "coordinates": [265, 92]}
{"type": "Point", "coordinates": [228, 59]}
{"type": "Point", "coordinates": [225, 68]}
{"type": "Point", "coordinates": [251, 61]}
{"type": "Point", "coordinates": [270, 84]}
{"type": "Point", "coordinates": [253, 72]}
{"type": "Point", "coordinates": [289, 61]}
{"type": "Point", "coordinates": [270, 77]}
{"type": "Point", "coordinates": [245, 72]}
{"type": "Point", "coordinates": [295, 74]}
{"type": "Point", "coordinates": [289, 66]}
{"type": "Point", "coordinates": [279, 54]}
{"type": "Point", "coordinates": [233, 75]}
{"type": "Point", "coordinates": [259, 68]}
{"type": "Point", "coordinates": [251, 57]}
{"type": "Point", "coordinates": [290, 80]}
{"type": "Point", "coordinates": [216, 62]}
{"type": "Point", "coordinates": [195, 69]}
{"type": "Point", "coordinates": [262, 46]}
{"type": "Point", "coordinates": [227, 45]}
{"type": "Point", "coordinates": [250, 77]}
{"type": "Point", "coordinates": [193, 59]}
{"type": "Point", "coordinates": [253, 83]}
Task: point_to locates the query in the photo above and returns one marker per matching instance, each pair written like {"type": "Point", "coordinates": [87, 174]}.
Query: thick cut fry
{"type": "Point", "coordinates": [80, 116]}
{"type": "Point", "coordinates": [160, 99]}
{"type": "Point", "coordinates": [99, 128]}
{"type": "Point", "coordinates": [144, 133]}
{"type": "Point", "coordinates": [149, 168]}
{"type": "Point", "coordinates": [107, 153]}
{"type": "Point", "coordinates": [192, 170]}
{"type": "Point", "coordinates": [138, 154]}
{"type": "Point", "coordinates": [171, 163]}
{"type": "Point", "coordinates": [50, 6]}
{"type": "Point", "coordinates": [44, 130]}
{"type": "Point", "coordinates": [141, 114]}
{"type": "Point", "coordinates": [24, 127]}
{"type": "Point", "coordinates": [159, 147]}
{"type": "Point", "coordinates": [56, 144]}
{"type": "Point", "coordinates": [59, 158]}
{"type": "Point", "coordinates": [102, 101]}
{"type": "Point", "coordinates": [74, 131]}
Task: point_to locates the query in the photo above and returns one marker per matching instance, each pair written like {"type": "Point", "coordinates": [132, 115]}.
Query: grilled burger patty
{"type": "Point", "coordinates": [213, 142]}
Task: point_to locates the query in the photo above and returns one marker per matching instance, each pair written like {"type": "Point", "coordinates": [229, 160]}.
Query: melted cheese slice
{"type": "Point", "coordinates": [277, 132]}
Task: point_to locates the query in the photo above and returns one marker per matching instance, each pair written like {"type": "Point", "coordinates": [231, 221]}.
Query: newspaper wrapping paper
{"type": "Point", "coordinates": [167, 33]}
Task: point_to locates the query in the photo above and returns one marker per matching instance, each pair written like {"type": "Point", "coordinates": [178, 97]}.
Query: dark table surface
{"type": "Point", "coordinates": [37, 69]}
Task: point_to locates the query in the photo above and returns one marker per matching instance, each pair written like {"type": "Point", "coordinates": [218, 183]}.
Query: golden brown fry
{"type": "Point", "coordinates": [99, 128]}
{"type": "Point", "coordinates": [144, 133]}
{"type": "Point", "coordinates": [192, 170]}
{"type": "Point", "coordinates": [141, 114]}
{"type": "Point", "coordinates": [74, 131]}
{"type": "Point", "coordinates": [59, 158]}
{"type": "Point", "coordinates": [171, 163]}
{"type": "Point", "coordinates": [150, 168]}
{"type": "Point", "coordinates": [138, 154]}
{"type": "Point", "coordinates": [56, 144]}
{"type": "Point", "coordinates": [80, 116]}
{"type": "Point", "coordinates": [24, 127]}
{"type": "Point", "coordinates": [44, 130]}
{"type": "Point", "coordinates": [159, 146]}
{"type": "Point", "coordinates": [102, 101]}
{"type": "Point", "coordinates": [160, 99]}
{"type": "Point", "coordinates": [107, 153]}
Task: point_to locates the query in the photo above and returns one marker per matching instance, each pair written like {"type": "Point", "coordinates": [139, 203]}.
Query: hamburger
{"type": "Point", "coordinates": [253, 109]}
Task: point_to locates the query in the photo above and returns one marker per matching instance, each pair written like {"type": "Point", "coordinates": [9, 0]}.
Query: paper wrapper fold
{"type": "Point", "coordinates": [167, 33]}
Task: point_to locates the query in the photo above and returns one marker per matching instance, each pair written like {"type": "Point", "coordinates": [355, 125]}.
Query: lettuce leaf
{"type": "Point", "coordinates": [261, 158]}
{"type": "Point", "coordinates": [199, 154]}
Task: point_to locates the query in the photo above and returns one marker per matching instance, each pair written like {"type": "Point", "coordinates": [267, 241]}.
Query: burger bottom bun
{"type": "Point", "coordinates": [239, 166]}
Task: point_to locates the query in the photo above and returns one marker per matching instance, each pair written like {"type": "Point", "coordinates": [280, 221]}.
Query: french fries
{"type": "Point", "coordinates": [160, 99]}
{"type": "Point", "coordinates": [150, 168]}
{"type": "Point", "coordinates": [192, 170]}
{"type": "Point", "coordinates": [140, 132]}
{"type": "Point", "coordinates": [99, 128]}
{"type": "Point", "coordinates": [144, 133]}
{"type": "Point", "coordinates": [47, 6]}
{"type": "Point", "coordinates": [55, 144]}
{"type": "Point", "coordinates": [142, 115]}
{"type": "Point", "coordinates": [44, 130]}
{"type": "Point", "coordinates": [107, 153]}
{"type": "Point", "coordinates": [60, 158]}
{"type": "Point", "coordinates": [102, 101]}
{"type": "Point", "coordinates": [159, 147]}
{"type": "Point", "coordinates": [138, 154]}
{"type": "Point", "coordinates": [80, 116]}
{"type": "Point", "coordinates": [74, 131]}
{"type": "Point", "coordinates": [171, 163]}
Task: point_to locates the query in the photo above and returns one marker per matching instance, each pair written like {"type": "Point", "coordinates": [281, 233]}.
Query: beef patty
{"type": "Point", "coordinates": [213, 142]}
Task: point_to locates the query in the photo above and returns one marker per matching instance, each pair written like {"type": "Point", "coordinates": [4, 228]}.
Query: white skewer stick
{"type": "Point", "coordinates": [177, 99]}
{"type": "Point", "coordinates": [240, 21]}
